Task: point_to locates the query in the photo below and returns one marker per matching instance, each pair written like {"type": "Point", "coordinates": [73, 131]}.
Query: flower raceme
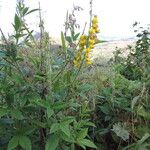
{"type": "Point", "coordinates": [82, 41]}
{"type": "Point", "coordinates": [95, 24]}
{"type": "Point", "coordinates": [82, 44]}
{"type": "Point", "coordinates": [86, 44]}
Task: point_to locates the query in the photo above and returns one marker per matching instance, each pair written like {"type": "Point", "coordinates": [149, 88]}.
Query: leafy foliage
{"type": "Point", "coordinates": [43, 104]}
{"type": "Point", "coordinates": [122, 103]}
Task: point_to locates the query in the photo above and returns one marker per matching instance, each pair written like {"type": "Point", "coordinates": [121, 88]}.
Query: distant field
{"type": "Point", "coordinates": [106, 49]}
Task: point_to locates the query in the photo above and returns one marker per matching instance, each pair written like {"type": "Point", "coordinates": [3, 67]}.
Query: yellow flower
{"type": "Point", "coordinates": [91, 31]}
{"type": "Point", "coordinates": [82, 41]}
{"type": "Point", "coordinates": [87, 55]}
{"type": "Point", "coordinates": [95, 24]}
{"type": "Point", "coordinates": [92, 37]}
{"type": "Point", "coordinates": [89, 62]}
{"type": "Point", "coordinates": [87, 43]}
{"type": "Point", "coordinates": [95, 20]}
{"type": "Point", "coordinates": [88, 59]}
{"type": "Point", "coordinates": [76, 63]}
{"type": "Point", "coordinates": [97, 30]}
{"type": "Point", "coordinates": [88, 50]}
{"type": "Point", "coordinates": [91, 46]}
{"type": "Point", "coordinates": [83, 37]}
{"type": "Point", "coordinates": [78, 58]}
{"type": "Point", "coordinates": [91, 41]}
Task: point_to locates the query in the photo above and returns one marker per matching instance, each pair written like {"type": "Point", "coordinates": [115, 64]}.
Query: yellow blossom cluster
{"type": "Point", "coordinates": [92, 39]}
{"type": "Point", "coordinates": [82, 44]}
{"type": "Point", "coordinates": [87, 43]}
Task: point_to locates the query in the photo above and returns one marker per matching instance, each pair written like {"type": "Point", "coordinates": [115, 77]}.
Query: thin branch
{"type": "Point", "coordinates": [40, 25]}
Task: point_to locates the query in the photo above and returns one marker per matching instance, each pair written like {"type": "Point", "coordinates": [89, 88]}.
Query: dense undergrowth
{"type": "Point", "coordinates": [122, 104]}
{"type": "Point", "coordinates": [53, 100]}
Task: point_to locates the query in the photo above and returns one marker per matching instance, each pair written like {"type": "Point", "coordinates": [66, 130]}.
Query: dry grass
{"type": "Point", "coordinates": [106, 49]}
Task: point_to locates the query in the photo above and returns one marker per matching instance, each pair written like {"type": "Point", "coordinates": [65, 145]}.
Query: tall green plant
{"type": "Point", "coordinates": [43, 104]}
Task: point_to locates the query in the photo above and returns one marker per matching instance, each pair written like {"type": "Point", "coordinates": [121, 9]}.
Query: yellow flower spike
{"type": "Point", "coordinates": [82, 41]}
{"type": "Point", "coordinates": [87, 43]}
{"type": "Point", "coordinates": [95, 24]}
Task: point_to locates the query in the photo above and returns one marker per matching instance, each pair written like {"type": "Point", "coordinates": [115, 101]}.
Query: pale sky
{"type": "Point", "coordinates": [115, 16]}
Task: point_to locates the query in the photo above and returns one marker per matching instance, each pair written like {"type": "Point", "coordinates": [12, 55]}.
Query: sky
{"type": "Point", "coordinates": [115, 16]}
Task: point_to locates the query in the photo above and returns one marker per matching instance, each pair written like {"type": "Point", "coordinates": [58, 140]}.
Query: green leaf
{"type": "Point", "coordinates": [16, 114]}
{"type": "Point", "coordinates": [83, 123]}
{"type": "Point", "coordinates": [3, 112]}
{"type": "Point", "coordinates": [4, 64]}
{"type": "Point", "coordinates": [25, 142]}
{"type": "Point", "coordinates": [65, 128]}
{"type": "Point", "coordinates": [105, 109]}
{"type": "Point", "coordinates": [13, 143]}
{"type": "Point", "coordinates": [120, 131]}
{"type": "Point", "coordinates": [50, 112]}
{"type": "Point", "coordinates": [87, 143]}
{"type": "Point", "coordinates": [142, 112]}
{"type": "Point", "coordinates": [59, 105]}
{"type": "Point", "coordinates": [140, 130]}
{"type": "Point", "coordinates": [66, 138]}
{"type": "Point", "coordinates": [68, 38]}
{"type": "Point", "coordinates": [72, 34]}
{"type": "Point", "coordinates": [85, 87]}
{"type": "Point", "coordinates": [82, 134]}
{"type": "Point", "coordinates": [27, 130]}
{"type": "Point", "coordinates": [73, 146]}
{"type": "Point", "coordinates": [6, 121]}
{"type": "Point", "coordinates": [134, 101]}
{"type": "Point", "coordinates": [52, 142]}
{"type": "Point", "coordinates": [54, 127]}
{"type": "Point", "coordinates": [143, 147]}
{"type": "Point", "coordinates": [31, 11]}
{"type": "Point", "coordinates": [25, 10]}
{"type": "Point", "coordinates": [39, 78]}
{"type": "Point", "coordinates": [41, 103]}
{"type": "Point", "coordinates": [3, 53]}
{"type": "Point", "coordinates": [38, 123]}
{"type": "Point", "coordinates": [68, 119]}
{"type": "Point", "coordinates": [144, 138]}
{"type": "Point", "coordinates": [76, 36]}
{"type": "Point", "coordinates": [17, 24]}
